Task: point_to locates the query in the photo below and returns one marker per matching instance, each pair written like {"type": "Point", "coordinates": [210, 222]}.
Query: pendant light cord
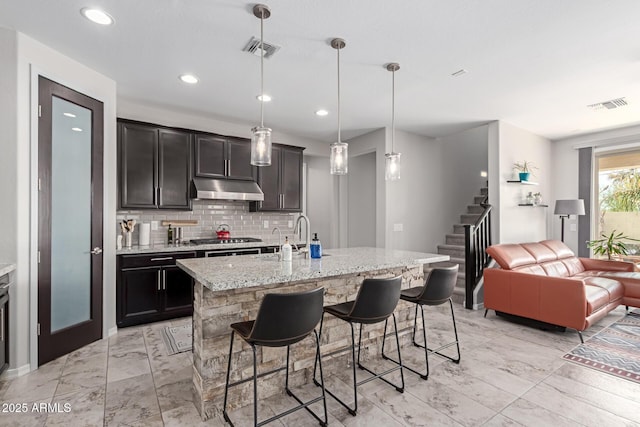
{"type": "Point", "coordinates": [262, 69]}
{"type": "Point", "coordinates": [339, 123]}
{"type": "Point", "coordinates": [393, 108]}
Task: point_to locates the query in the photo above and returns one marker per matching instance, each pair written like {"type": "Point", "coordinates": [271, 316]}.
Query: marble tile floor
{"type": "Point", "coordinates": [509, 375]}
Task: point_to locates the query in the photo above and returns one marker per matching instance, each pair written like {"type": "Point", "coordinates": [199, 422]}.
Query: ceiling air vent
{"type": "Point", "coordinates": [609, 105]}
{"type": "Point", "coordinates": [254, 47]}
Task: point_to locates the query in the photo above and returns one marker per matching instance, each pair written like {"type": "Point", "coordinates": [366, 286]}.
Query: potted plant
{"type": "Point", "coordinates": [613, 244]}
{"type": "Point", "coordinates": [524, 168]}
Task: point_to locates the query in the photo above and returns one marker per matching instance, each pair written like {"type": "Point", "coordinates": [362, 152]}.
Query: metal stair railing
{"type": "Point", "coordinates": [477, 238]}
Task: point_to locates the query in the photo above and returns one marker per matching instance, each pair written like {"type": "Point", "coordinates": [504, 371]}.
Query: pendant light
{"type": "Point", "coordinates": [339, 159]}
{"type": "Point", "coordinates": [260, 135]}
{"type": "Point", "coordinates": [392, 159]}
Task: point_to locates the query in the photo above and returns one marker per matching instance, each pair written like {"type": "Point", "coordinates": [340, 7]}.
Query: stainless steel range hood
{"type": "Point", "coordinates": [225, 189]}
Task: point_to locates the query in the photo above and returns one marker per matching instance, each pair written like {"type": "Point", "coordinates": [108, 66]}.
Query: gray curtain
{"type": "Point", "coordinates": [585, 183]}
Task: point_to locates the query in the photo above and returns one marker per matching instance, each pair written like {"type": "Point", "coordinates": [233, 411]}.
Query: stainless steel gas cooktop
{"type": "Point", "coordinates": [221, 241]}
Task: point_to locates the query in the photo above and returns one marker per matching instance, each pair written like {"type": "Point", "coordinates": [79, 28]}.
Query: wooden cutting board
{"type": "Point", "coordinates": [179, 222]}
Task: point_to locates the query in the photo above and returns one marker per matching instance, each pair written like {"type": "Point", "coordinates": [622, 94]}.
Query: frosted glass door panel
{"type": "Point", "coordinates": [70, 215]}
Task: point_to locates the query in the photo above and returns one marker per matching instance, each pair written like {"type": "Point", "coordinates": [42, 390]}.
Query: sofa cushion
{"type": "Point", "coordinates": [555, 269]}
{"type": "Point", "coordinates": [597, 298]}
{"type": "Point", "coordinates": [540, 252]}
{"type": "Point", "coordinates": [574, 265]}
{"type": "Point", "coordinates": [613, 287]}
{"type": "Point", "coordinates": [561, 250]}
{"type": "Point", "coordinates": [509, 255]}
{"type": "Point", "coordinates": [531, 269]}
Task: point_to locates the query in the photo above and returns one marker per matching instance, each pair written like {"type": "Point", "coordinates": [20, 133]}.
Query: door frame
{"type": "Point", "coordinates": [83, 84]}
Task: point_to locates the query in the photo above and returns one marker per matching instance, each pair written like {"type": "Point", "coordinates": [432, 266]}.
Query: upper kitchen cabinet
{"type": "Point", "coordinates": [281, 182]}
{"type": "Point", "coordinates": [223, 157]}
{"type": "Point", "coordinates": [154, 166]}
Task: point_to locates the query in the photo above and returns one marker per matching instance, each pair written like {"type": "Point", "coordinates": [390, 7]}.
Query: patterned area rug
{"type": "Point", "coordinates": [177, 339]}
{"type": "Point", "coordinates": [614, 350]}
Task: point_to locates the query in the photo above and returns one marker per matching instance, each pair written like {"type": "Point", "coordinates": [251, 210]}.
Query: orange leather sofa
{"type": "Point", "coordinates": [546, 282]}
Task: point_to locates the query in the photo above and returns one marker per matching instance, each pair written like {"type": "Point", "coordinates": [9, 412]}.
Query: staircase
{"type": "Point", "coordinates": [455, 246]}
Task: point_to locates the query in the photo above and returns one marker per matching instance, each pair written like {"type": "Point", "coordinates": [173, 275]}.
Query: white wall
{"type": "Point", "coordinates": [8, 146]}
{"type": "Point", "coordinates": [466, 154]}
{"type": "Point", "coordinates": [414, 201]}
{"type": "Point", "coordinates": [518, 223]}
{"type": "Point", "coordinates": [322, 206]}
{"type": "Point", "coordinates": [33, 58]}
{"type": "Point", "coordinates": [361, 208]}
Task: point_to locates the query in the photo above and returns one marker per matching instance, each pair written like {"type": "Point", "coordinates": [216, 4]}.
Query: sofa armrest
{"type": "Point", "coordinates": [557, 300]}
{"type": "Point", "coordinates": [605, 265]}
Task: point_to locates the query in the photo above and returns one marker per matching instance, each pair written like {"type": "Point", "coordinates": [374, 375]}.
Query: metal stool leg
{"type": "Point", "coordinates": [226, 385]}
{"type": "Point", "coordinates": [255, 387]}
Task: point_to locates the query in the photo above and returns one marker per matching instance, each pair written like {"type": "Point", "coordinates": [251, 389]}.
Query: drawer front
{"type": "Point", "coordinates": [153, 260]}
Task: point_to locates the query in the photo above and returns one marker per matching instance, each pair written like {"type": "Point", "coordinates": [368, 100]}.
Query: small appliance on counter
{"type": "Point", "coordinates": [223, 232]}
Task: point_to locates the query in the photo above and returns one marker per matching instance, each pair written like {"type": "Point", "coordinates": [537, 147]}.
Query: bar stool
{"type": "Point", "coordinates": [375, 302]}
{"type": "Point", "coordinates": [282, 320]}
{"type": "Point", "coordinates": [437, 289]}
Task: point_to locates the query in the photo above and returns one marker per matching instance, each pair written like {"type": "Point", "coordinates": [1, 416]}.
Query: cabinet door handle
{"type": "Point", "coordinates": [158, 280]}
{"type": "Point", "coordinates": [228, 167]}
{"type": "Point", "coordinates": [2, 324]}
{"type": "Point", "coordinates": [282, 200]}
{"type": "Point", "coordinates": [164, 258]}
{"type": "Point", "coordinates": [164, 280]}
{"type": "Point", "coordinates": [160, 196]}
{"type": "Point", "coordinates": [155, 195]}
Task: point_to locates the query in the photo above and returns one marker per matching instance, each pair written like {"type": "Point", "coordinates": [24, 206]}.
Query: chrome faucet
{"type": "Point", "coordinates": [296, 229]}
{"type": "Point", "coordinates": [279, 240]}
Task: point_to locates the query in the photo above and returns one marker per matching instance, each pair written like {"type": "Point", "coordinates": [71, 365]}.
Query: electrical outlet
{"type": "Point", "coordinates": [290, 224]}
{"type": "Point", "coordinates": [265, 224]}
{"type": "Point", "coordinates": [573, 227]}
{"type": "Point", "coordinates": [154, 225]}
{"type": "Point", "coordinates": [397, 227]}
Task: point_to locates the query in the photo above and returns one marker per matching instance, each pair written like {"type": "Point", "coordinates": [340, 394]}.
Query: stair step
{"type": "Point", "coordinates": [458, 296]}
{"type": "Point", "coordinates": [452, 260]}
{"type": "Point", "coordinates": [469, 218]}
{"type": "Point", "coordinates": [458, 229]}
{"type": "Point", "coordinates": [484, 191]}
{"type": "Point", "coordinates": [478, 199]}
{"type": "Point", "coordinates": [455, 239]}
{"type": "Point", "coordinates": [451, 250]}
{"type": "Point", "coordinates": [475, 209]}
{"type": "Point", "coordinates": [460, 282]}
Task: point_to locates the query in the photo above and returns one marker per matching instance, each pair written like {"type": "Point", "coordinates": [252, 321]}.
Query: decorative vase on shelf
{"type": "Point", "coordinates": [524, 176]}
{"type": "Point", "coordinates": [529, 200]}
{"type": "Point", "coordinates": [537, 199]}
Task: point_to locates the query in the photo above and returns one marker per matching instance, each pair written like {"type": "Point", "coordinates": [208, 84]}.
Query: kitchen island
{"type": "Point", "coordinates": [229, 290]}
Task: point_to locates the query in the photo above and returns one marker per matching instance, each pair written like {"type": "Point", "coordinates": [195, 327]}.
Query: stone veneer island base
{"type": "Point", "coordinates": [230, 290]}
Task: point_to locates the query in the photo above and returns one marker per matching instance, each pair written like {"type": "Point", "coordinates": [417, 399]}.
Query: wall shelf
{"type": "Point", "coordinates": [517, 181]}
{"type": "Point", "coordinates": [532, 205]}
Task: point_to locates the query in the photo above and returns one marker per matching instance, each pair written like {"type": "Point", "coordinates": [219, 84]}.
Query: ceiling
{"type": "Point", "coordinates": [536, 64]}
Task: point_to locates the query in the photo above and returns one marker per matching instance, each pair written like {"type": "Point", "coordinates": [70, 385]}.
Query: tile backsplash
{"type": "Point", "coordinates": [210, 214]}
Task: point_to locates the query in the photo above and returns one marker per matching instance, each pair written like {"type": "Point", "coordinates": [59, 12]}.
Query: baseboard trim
{"type": "Point", "coordinates": [16, 372]}
{"type": "Point", "coordinates": [113, 331]}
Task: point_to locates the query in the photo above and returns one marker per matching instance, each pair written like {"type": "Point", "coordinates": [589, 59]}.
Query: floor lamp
{"type": "Point", "coordinates": [566, 208]}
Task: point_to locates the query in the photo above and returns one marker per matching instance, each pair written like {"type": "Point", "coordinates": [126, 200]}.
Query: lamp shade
{"type": "Point", "coordinates": [569, 207]}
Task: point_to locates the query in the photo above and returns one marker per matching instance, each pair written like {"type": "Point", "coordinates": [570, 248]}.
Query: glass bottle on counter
{"type": "Point", "coordinates": [170, 235]}
{"type": "Point", "coordinates": [286, 250]}
{"type": "Point", "coordinates": [315, 248]}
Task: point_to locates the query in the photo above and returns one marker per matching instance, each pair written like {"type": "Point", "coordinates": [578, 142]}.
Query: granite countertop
{"type": "Point", "coordinates": [180, 248]}
{"type": "Point", "coordinates": [248, 271]}
{"type": "Point", "coordinates": [6, 268]}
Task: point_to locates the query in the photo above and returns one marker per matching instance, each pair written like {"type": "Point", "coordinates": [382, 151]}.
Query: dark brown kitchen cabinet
{"type": "Point", "coordinates": [154, 166]}
{"type": "Point", "coordinates": [151, 287]}
{"type": "Point", "coordinates": [223, 157]}
{"type": "Point", "coordinates": [281, 182]}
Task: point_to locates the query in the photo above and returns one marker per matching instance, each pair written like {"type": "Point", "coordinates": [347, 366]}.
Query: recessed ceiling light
{"type": "Point", "coordinates": [189, 78]}
{"type": "Point", "coordinates": [98, 16]}
{"type": "Point", "coordinates": [69, 114]}
{"type": "Point", "coordinates": [76, 129]}
{"type": "Point", "coordinates": [263, 98]}
{"type": "Point", "coordinates": [322, 113]}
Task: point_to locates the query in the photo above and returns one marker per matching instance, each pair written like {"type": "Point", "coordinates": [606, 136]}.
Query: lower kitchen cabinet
{"type": "Point", "coordinates": [151, 287]}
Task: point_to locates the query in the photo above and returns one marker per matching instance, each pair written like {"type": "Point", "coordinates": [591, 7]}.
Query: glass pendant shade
{"type": "Point", "coordinates": [339, 160]}
{"type": "Point", "coordinates": [392, 166]}
{"type": "Point", "coordinates": [260, 146]}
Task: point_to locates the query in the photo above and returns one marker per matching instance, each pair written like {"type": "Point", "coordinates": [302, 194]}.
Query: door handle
{"type": "Point", "coordinates": [164, 280]}
{"type": "Point", "coordinates": [96, 251]}
{"type": "Point", "coordinates": [158, 277]}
